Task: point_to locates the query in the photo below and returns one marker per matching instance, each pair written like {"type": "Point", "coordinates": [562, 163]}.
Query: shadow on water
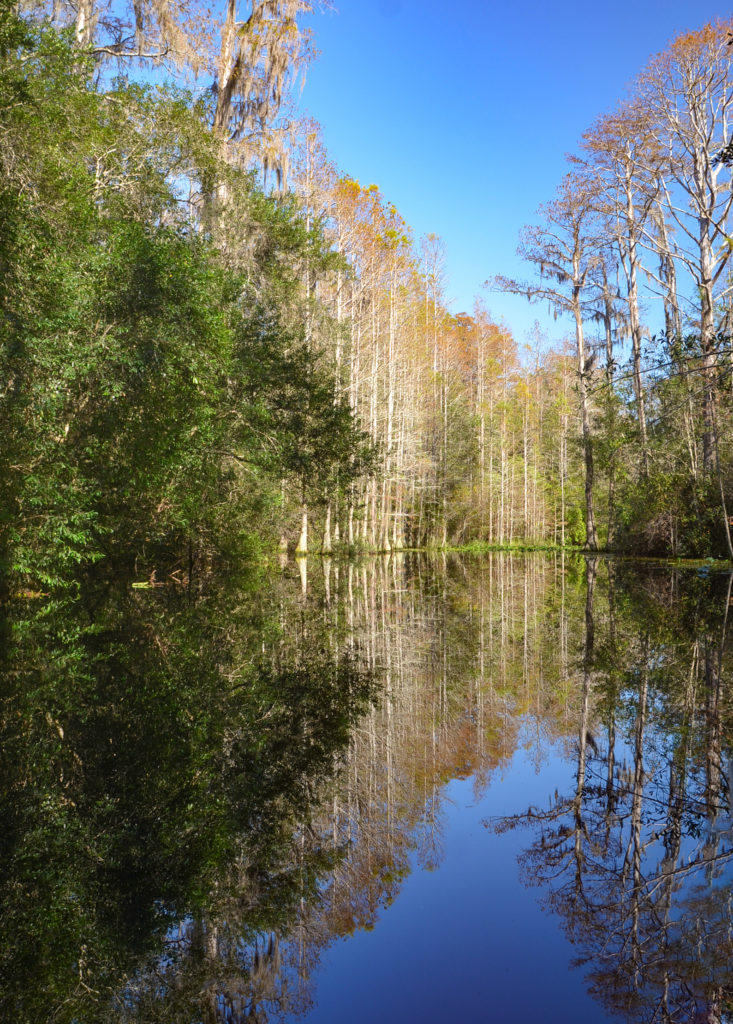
{"type": "Point", "coordinates": [199, 795]}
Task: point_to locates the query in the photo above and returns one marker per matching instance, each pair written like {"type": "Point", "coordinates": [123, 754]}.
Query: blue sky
{"type": "Point", "coordinates": [462, 112]}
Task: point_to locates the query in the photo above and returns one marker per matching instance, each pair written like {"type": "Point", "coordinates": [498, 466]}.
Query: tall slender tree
{"type": "Point", "coordinates": [564, 252]}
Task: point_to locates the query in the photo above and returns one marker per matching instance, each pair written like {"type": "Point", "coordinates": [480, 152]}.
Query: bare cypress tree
{"type": "Point", "coordinates": [262, 52]}
{"type": "Point", "coordinates": [619, 149]}
{"type": "Point", "coordinates": [158, 31]}
{"type": "Point", "coordinates": [687, 95]}
{"type": "Point", "coordinates": [564, 252]}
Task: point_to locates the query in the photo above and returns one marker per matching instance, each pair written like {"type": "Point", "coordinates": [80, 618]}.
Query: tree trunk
{"type": "Point", "coordinates": [590, 523]}
{"type": "Point", "coordinates": [302, 547]}
{"type": "Point", "coordinates": [326, 547]}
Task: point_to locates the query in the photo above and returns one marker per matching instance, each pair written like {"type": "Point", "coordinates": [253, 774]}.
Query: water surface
{"type": "Point", "coordinates": [483, 789]}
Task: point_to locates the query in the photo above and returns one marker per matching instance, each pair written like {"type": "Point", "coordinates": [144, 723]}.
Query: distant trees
{"type": "Point", "coordinates": [443, 397]}
{"type": "Point", "coordinates": [642, 218]}
{"type": "Point", "coordinates": [466, 432]}
{"type": "Point", "coordinates": [565, 253]}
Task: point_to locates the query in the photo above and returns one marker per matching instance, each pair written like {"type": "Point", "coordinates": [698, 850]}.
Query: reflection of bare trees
{"type": "Point", "coordinates": [638, 861]}
{"type": "Point", "coordinates": [472, 658]}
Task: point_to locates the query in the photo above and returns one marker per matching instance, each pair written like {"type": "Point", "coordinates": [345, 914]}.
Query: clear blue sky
{"type": "Point", "coordinates": [462, 112]}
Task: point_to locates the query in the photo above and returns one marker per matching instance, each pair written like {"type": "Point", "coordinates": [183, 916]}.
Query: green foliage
{"type": "Point", "coordinates": [668, 514]}
{"type": "Point", "coordinates": [290, 394]}
{"type": "Point", "coordinates": [575, 526]}
{"type": "Point", "coordinates": [157, 385]}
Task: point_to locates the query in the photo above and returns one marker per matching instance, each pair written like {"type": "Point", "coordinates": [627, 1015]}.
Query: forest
{"type": "Point", "coordinates": [214, 343]}
{"type": "Point", "coordinates": [219, 350]}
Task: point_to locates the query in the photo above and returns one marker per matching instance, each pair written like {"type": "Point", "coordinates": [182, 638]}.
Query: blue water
{"type": "Point", "coordinates": [468, 941]}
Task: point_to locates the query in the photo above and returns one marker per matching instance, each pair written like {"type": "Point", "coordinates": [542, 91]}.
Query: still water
{"type": "Point", "coordinates": [486, 789]}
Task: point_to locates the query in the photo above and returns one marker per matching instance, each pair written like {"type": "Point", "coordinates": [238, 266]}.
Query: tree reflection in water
{"type": "Point", "coordinates": [637, 861]}
{"type": "Point", "coordinates": [160, 757]}
{"type": "Point", "coordinates": [200, 793]}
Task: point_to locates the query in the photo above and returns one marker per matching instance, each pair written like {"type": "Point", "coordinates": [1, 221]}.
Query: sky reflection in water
{"type": "Point", "coordinates": [468, 941]}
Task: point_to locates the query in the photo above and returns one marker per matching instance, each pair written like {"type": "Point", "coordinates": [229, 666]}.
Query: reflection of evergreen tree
{"type": "Point", "coordinates": [148, 759]}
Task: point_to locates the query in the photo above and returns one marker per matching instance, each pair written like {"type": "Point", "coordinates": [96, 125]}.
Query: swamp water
{"type": "Point", "coordinates": [488, 789]}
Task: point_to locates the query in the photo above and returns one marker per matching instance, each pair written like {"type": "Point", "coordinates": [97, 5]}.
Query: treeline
{"type": "Point", "coordinates": [211, 338]}
{"type": "Point", "coordinates": [476, 443]}
{"type": "Point", "coordinates": [619, 438]}
{"type": "Point", "coordinates": [198, 357]}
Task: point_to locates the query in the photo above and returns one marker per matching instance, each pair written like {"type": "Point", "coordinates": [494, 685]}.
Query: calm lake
{"type": "Point", "coordinates": [409, 789]}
